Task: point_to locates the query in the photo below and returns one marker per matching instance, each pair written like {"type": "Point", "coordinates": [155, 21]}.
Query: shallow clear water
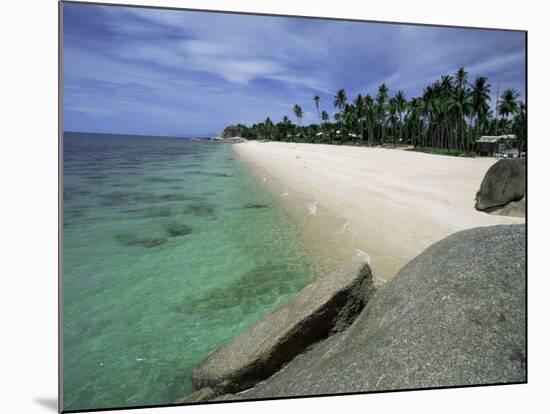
{"type": "Point", "coordinates": [170, 249]}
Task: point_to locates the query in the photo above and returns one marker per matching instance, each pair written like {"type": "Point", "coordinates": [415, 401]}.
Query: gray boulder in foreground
{"type": "Point", "coordinates": [504, 182]}
{"type": "Point", "coordinates": [326, 306]}
{"type": "Point", "coordinates": [454, 315]}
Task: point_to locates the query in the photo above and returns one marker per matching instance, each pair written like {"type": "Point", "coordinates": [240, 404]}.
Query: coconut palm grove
{"type": "Point", "coordinates": [450, 116]}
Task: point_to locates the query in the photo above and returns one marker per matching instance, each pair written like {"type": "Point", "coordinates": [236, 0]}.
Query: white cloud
{"type": "Point", "coordinates": [238, 55]}
{"type": "Point", "coordinates": [499, 63]}
{"type": "Point", "coordinates": [201, 68]}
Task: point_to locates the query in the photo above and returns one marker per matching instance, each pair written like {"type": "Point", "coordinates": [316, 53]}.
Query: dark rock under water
{"type": "Point", "coordinates": [255, 205]}
{"type": "Point", "coordinates": [326, 306]}
{"type": "Point", "coordinates": [261, 284]}
{"type": "Point", "coordinates": [162, 180]}
{"type": "Point", "coordinates": [158, 211]}
{"type": "Point", "coordinates": [201, 209]}
{"type": "Point", "coordinates": [178, 229]}
{"type": "Point", "coordinates": [127, 198]}
{"type": "Point", "coordinates": [128, 239]}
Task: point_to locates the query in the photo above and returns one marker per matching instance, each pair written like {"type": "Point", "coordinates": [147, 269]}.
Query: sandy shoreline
{"type": "Point", "coordinates": [392, 203]}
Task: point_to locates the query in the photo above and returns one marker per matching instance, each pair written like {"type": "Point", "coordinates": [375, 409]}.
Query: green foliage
{"type": "Point", "coordinates": [232, 131]}
{"type": "Point", "coordinates": [442, 151]}
{"type": "Point", "coordinates": [447, 118]}
{"type": "Point", "coordinates": [298, 113]}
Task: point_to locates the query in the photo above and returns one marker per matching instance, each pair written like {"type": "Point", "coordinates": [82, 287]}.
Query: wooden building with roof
{"type": "Point", "coordinates": [498, 146]}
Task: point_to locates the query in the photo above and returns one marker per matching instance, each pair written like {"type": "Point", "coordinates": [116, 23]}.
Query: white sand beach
{"type": "Point", "coordinates": [395, 202]}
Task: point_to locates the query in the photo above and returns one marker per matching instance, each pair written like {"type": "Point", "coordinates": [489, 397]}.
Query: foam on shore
{"type": "Point", "coordinates": [326, 237]}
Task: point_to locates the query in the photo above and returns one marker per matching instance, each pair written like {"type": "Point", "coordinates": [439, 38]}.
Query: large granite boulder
{"type": "Point", "coordinates": [454, 315]}
{"type": "Point", "coordinates": [322, 308]}
{"type": "Point", "coordinates": [504, 182]}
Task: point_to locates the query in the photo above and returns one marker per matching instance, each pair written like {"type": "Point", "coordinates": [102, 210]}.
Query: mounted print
{"type": "Point", "coordinates": [257, 207]}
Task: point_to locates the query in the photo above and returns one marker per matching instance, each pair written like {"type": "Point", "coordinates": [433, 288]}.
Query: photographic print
{"type": "Point", "coordinates": [259, 206]}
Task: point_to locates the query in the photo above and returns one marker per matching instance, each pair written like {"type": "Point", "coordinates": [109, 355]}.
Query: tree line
{"type": "Point", "coordinates": [451, 114]}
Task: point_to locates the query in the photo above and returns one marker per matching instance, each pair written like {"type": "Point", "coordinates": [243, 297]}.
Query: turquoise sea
{"type": "Point", "coordinates": [170, 248]}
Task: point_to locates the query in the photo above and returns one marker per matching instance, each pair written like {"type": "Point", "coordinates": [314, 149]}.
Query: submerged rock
{"type": "Point", "coordinates": [135, 240]}
{"type": "Point", "coordinates": [504, 182]}
{"type": "Point", "coordinates": [162, 179]}
{"type": "Point", "coordinates": [157, 211]}
{"type": "Point", "coordinates": [258, 287]}
{"type": "Point", "coordinates": [255, 206]}
{"type": "Point", "coordinates": [454, 315]}
{"type": "Point", "coordinates": [176, 197]}
{"type": "Point", "coordinates": [201, 210]}
{"type": "Point", "coordinates": [326, 306]}
{"type": "Point", "coordinates": [178, 229]}
{"type": "Point", "coordinates": [124, 198]}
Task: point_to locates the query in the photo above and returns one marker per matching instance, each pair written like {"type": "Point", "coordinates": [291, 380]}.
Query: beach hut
{"type": "Point", "coordinates": [500, 146]}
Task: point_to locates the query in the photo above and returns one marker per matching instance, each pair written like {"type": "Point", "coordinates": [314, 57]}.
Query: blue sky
{"type": "Point", "coordinates": [171, 72]}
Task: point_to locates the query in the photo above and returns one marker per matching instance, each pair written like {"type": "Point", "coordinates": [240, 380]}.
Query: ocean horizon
{"type": "Point", "coordinates": [127, 134]}
{"type": "Point", "coordinates": [171, 248]}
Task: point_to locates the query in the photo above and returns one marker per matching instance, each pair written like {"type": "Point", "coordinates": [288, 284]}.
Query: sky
{"type": "Point", "coordinates": [182, 73]}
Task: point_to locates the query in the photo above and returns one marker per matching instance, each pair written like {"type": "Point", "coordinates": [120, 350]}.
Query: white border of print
{"type": "Point", "coordinates": [29, 203]}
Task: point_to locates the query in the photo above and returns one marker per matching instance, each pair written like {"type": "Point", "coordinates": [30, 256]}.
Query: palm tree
{"type": "Point", "coordinates": [284, 128]}
{"type": "Point", "coordinates": [481, 95]}
{"type": "Point", "coordinates": [340, 101]}
{"type": "Point", "coordinates": [316, 99]}
{"type": "Point", "coordinates": [392, 118]}
{"type": "Point", "coordinates": [381, 99]}
{"type": "Point", "coordinates": [324, 116]}
{"type": "Point", "coordinates": [358, 102]}
{"type": "Point", "coordinates": [298, 113]}
{"type": "Point", "coordinates": [520, 126]}
{"type": "Point", "coordinates": [462, 104]}
{"type": "Point", "coordinates": [349, 116]}
{"type": "Point", "coordinates": [446, 83]}
{"type": "Point", "coordinates": [414, 115]}
{"type": "Point", "coordinates": [444, 103]}
{"type": "Point", "coordinates": [461, 78]}
{"type": "Point", "coordinates": [450, 114]}
{"type": "Point", "coordinates": [368, 108]}
{"type": "Point", "coordinates": [435, 125]}
{"type": "Point", "coordinates": [267, 128]}
{"type": "Point", "coordinates": [508, 103]}
{"type": "Point", "coordinates": [360, 112]}
{"type": "Point", "coordinates": [400, 105]}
